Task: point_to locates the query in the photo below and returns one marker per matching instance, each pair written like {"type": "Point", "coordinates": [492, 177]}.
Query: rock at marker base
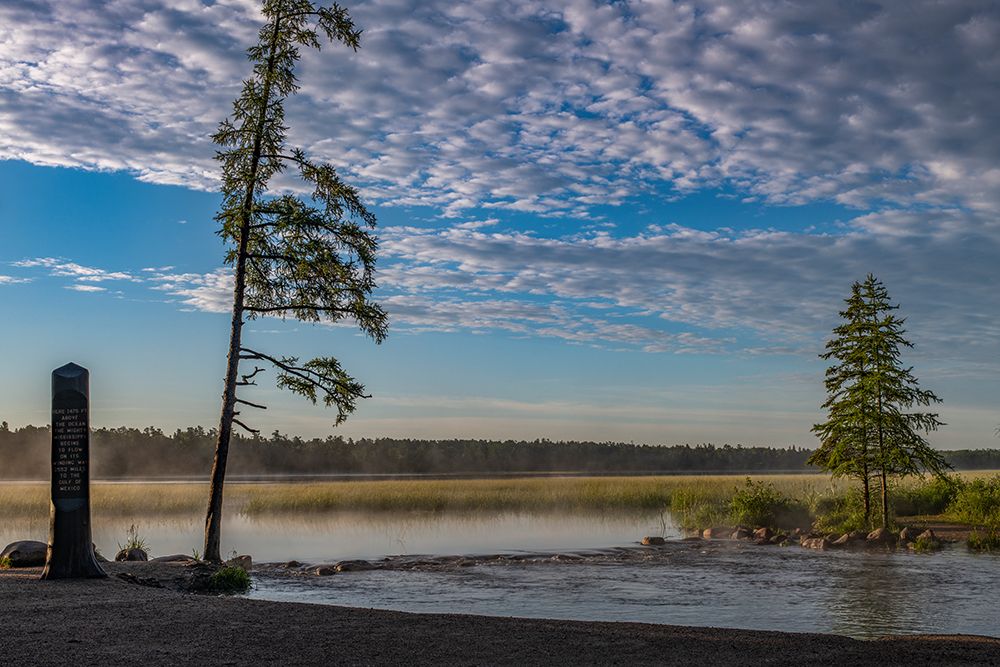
{"type": "Point", "coordinates": [131, 555]}
{"type": "Point", "coordinates": [653, 541]}
{"type": "Point", "coordinates": [26, 553]}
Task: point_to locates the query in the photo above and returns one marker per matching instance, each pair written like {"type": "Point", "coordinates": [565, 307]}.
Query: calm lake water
{"type": "Point", "coordinates": [512, 571]}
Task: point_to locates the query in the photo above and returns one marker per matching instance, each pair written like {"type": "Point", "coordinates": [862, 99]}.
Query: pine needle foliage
{"type": "Point", "coordinates": [311, 259]}
{"type": "Point", "coordinates": [871, 429]}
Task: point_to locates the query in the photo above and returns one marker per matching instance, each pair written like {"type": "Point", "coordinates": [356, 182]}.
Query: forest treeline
{"type": "Point", "coordinates": [125, 452]}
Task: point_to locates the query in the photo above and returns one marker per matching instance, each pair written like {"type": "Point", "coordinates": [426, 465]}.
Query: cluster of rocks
{"type": "Point", "coordinates": [880, 537]}
{"type": "Point", "coordinates": [31, 553]}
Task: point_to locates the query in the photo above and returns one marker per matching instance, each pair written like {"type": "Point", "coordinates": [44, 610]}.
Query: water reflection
{"type": "Point", "coordinates": [337, 536]}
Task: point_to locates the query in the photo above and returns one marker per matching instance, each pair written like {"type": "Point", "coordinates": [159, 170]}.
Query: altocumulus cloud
{"type": "Point", "coordinates": [555, 108]}
{"type": "Point", "coordinates": [538, 107]}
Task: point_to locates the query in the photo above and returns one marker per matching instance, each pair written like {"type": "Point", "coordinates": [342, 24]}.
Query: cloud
{"type": "Point", "coordinates": [551, 108]}
{"type": "Point", "coordinates": [13, 280]}
{"type": "Point", "coordinates": [85, 288]}
{"type": "Point", "coordinates": [760, 291]}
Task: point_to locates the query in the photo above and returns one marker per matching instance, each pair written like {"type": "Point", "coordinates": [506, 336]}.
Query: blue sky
{"type": "Point", "coordinates": [629, 221]}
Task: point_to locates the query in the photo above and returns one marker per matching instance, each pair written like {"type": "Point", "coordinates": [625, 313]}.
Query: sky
{"type": "Point", "coordinates": [630, 221]}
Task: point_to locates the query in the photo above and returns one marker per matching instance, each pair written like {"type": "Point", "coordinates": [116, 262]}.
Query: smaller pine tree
{"type": "Point", "coordinates": [870, 430]}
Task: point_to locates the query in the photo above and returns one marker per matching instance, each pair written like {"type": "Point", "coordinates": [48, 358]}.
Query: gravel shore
{"type": "Point", "coordinates": [114, 622]}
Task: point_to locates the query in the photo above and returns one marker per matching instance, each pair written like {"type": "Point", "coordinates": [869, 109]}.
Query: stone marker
{"type": "Point", "coordinates": [71, 552]}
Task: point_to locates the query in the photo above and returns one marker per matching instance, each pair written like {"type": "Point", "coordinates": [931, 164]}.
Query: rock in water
{"type": "Point", "coordinates": [26, 553]}
{"type": "Point", "coordinates": [354, 566]}
{"type": "Point", "coordinates": [763, 534]}
{"type": "Point", "coordinates": [907, 534]}
{"type": "Point", "coordinates": [652, 541]}
{"type": "Point", "coordinates": [741, 533]}
{"type": "Point", "coordinates": [880, 536]}
{"type": "Point", "coordinates": [325, 571]}
{"type": "Point", "coordinates": [927, 535]}
{"type": "Point", "coordinates": [820, 543]}
{"type": "Point", "coordinates": [131, 555]}
{"type": "Point", "coordinates": [715, 533]}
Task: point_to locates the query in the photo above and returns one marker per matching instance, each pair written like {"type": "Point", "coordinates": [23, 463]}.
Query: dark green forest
{"type": "Point", "coordinates": [149, 452]}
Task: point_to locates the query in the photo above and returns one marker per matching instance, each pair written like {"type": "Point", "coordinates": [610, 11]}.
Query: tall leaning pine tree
{"type": "Point", "coordinates": [870, 430]}
{"type": "Point", "coordinates": [311, 259]}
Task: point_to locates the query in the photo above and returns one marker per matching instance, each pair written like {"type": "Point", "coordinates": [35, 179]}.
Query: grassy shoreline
{"type": "Point", "coordinates": [694, 501]}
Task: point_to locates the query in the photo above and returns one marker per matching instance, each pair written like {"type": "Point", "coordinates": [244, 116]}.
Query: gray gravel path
{"type": "Point", "coordinates": [112, 622]}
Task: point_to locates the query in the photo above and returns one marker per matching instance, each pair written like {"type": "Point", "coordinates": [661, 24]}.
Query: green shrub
{"type": "Point", "coordinates": [4, 563]}
{"type": "Point", "coordinates": [841, 512]}
{"type": "Point", "coordinates": [931, 496]}
{"type": "Point", "coordinates": [977, 502]}
{"type": "Point", "coordinates": [984, 541]}
{"type": "Point", "coordinates": [229, 579]}
{"type": "Point", "coordinates": [760, 504]}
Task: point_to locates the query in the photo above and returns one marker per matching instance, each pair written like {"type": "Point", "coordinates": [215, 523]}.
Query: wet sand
{"type": "Point", "coordinates": [113, 622]}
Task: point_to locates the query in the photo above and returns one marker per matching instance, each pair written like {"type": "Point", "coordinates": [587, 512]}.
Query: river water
{"type": "Point", "coordinates": [572, 566]}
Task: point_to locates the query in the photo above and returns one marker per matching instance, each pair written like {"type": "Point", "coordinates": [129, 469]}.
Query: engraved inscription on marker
{"type": "Point", "coordinates": [70, 432]}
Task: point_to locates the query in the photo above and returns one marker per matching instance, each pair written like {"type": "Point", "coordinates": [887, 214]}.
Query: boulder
{"type": "Point", "coordinates": [716, 533]}
{"type": "Point", "coordinates": [763, 534]}
{"type": "Point", "coordinates": [26, 553]}
{"type": "Point", "coordinates": [848, 539]}
{"type": "Point", "coordinates": [653, 541]}
{"type": "Point", "coordinates": [173, 558]}
{"type": "Point", "coordinates": [907, 534]}
{"type": "Point", "coordinates": [880, 536]}
{"type": "Point", "coordinates": [355, 566]}
{"type": "Point", "coordinates": [243, 562]}
{"type": "Point", "coordinates": [820, 543]}
{"type": "Point", "coordinates": [741, 533]}
{"type": "Point", "coordinates": [291, 564]}
{"type": "Point", "coordinates": [927, 535]}
{"type": "Point", "coordinates": [131, 555]}
{"type": "Point", "coordinates": [325, 570]}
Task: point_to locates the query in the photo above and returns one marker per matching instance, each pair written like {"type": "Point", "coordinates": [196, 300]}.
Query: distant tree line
{"type": "Point", "coordinates": [149, 452]}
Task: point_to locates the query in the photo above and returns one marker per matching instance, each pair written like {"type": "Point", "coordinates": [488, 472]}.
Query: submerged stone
{"type": "Point", "coordinates": [651, 540]}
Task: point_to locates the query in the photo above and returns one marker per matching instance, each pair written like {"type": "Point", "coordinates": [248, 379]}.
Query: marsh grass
{"type": "Point", "coordinates": [695, 501]}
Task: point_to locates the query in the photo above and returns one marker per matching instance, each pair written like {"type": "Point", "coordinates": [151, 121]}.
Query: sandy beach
{"type": "Point", "coordinates": [114, 622]}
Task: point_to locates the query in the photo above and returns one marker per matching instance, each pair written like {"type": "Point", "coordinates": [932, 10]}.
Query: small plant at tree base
{"type": "Point", "coordinates": [133, 541]}
{"type": "Point", "coordinates": [229, 579]}
{"type": "Point", "coordinates": [5, 563]}
{"type": "Point", "coordinates": [984, 541]}
{"type": "Point", "coordinates": [195, 554]}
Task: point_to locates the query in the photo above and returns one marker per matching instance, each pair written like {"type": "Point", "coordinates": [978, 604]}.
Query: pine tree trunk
{"type": "Point", "coordinates": [213, 519]}
{"type": "Point", "coordinates": [868, 499]}
{"type": "Point", "coordinates": [885, 500]}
